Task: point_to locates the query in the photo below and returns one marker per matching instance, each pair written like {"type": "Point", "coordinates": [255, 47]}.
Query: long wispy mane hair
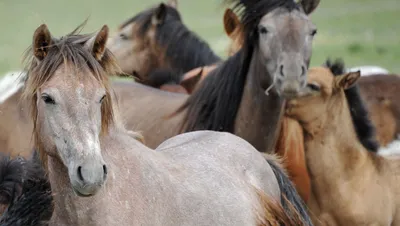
{"type": "Point", "coordinates": [362, 123]}
{"type": "Point", "coordinates": [68, 50]}
{"type": "Point", "coordinates": [183, 49]}
{"type": "Point", "coordinates": [215, 104]}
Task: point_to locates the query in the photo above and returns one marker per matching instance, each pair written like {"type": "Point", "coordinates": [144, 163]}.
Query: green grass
{"type": "Point", "coordinates": [362, 32]}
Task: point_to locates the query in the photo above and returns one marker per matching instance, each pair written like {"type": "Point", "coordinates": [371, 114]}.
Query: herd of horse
{"type": "Point", "coordinates": [258, 138]}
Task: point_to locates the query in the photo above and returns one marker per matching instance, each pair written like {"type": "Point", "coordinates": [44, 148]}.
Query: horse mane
{"type": "Point", "coordinates": [68, 50]}
{"type": "Point", "coordinates": [11, 178]}
{"type": "Point", "coordinates": [363, 126]}
{"type": "Point", "coordinates": [215, 104]}
{"type": "Point", "coordinates": [34, 206]}
{"type": "Point", "coordinates": [184, 50]}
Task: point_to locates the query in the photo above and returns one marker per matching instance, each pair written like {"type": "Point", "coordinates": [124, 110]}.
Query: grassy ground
{"type": "Point", "coordinates": [360, 31]}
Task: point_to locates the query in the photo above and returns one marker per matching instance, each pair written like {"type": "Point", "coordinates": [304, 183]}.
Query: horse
{"type": "Point", "coordinates": [197, 178]}
{"type": "Point", "coordinates": [379, 93]}
{"type": "Point", "coordinates": [157, 38]}
{"type": "Point", "coordinates": [235, 92]}
{"type": "Point", "coordinates": [190, 81]}
{"type": "Point", "coordinates": [290, 140]}
{"type": "Point", "coordinates": [25, 192]}
{"type": "Point", "coordinates": [350, 184]}
{"type": "Point", "coordinates": [381, 90]}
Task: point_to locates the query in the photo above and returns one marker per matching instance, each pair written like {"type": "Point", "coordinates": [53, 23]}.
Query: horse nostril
{"type": "Point", "coordinates": [80, 173]}
{"type": "Point", "coordinates": [303, 71]}
{"type": "Point", "coordinates": [281, 70]}
{"type": "Point", "coordinates": [105, 171]}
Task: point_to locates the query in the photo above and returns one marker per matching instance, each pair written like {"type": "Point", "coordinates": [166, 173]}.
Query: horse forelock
{"type": "Point", "coordinates": [69, 51]}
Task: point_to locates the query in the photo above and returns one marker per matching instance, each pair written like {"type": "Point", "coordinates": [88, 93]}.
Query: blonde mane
{"type": "Point", "coordinates": [68, 50]}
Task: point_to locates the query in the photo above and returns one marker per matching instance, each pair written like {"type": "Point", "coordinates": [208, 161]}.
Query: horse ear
{"type": "Point", "coordinates": [41, 42]}
{"type": "Point", "coordinates": [97, 44]}
{"type": "Point", "coordinates": [173, 3]}
{"type": "Point", "coordinates": [231, 21]}
{"type": "Point", "coordinates": [347, 80]}
{"type": "Point", "coordinates": [159, 14]}
{"type": "Point", "coordinates": [309, 5]}
{"type": "Point", "coordinates": [190, 83]}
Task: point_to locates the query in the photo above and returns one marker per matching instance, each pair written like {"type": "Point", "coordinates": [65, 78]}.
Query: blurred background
{"type": "Point", "coordinates": [362, 32]}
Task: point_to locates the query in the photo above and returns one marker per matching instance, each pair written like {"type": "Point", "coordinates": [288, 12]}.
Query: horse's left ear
{"type": "Point", "coordinates": [97, 44]}
{"type": "Point", "coordinates": [173, 3]}
{"type": "Point", "coordinates": [309, 5]}
{"type": "Point", "coordinates": [159, 15]}
{"type": "Point", "coordinates": [347, 80]}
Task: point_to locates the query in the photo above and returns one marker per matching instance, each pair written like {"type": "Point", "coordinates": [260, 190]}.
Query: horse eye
{"type": "Point", "coordinates": [262, 30]}
{"type": "Point", "coordinates": [314, 87]}
{"type": "Point", "coordinates": [47, 99]}
{"type": "Point", "coordinates": [102, 98]}
{"type": "Point", "coordinates": [123, 36]}
{"type": "Point", "coordinates": [314, 32]}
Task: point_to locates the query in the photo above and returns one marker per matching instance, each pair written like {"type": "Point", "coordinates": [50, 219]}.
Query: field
{"type": "Point", "coordinates": [362, 32]}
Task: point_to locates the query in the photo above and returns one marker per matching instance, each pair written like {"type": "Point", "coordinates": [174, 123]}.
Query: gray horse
{"type": "Point", "coordinates": [197, 178]}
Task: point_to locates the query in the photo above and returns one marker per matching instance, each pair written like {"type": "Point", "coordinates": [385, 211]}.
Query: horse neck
{"type": "Point", "coordinates": [259, 114]}
{"type": "Point", "coordinates": [192, 53]}
{"type": "Point", "coordinates": [333, 151]}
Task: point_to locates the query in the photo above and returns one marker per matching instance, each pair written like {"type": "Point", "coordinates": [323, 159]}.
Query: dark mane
{"type": "Point", "coordinates": [363, 126]}
{"type": "Point", "coordinates": [34, 205]}
{"type": "Point", "coordinates": [184, 50]}
{"type": "Point", "coordinates": [215, 104]}
{"type": "Point", "coordinates": [68, 50]}
{"type": "Point", "coordinates": [11, 178]}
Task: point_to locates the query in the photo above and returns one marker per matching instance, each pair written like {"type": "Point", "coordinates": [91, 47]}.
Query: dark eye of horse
{"type": "Point", "coordinates": [47, 99]}
{"type": "Point", "coordinates": [262, 30]}
{"type": "Point", "coordinates": [313, 32]}
{"type": "Point", "coordinates": [314, 87]}
{"type": "Point", "coordinates": [123, 36]}
{"type": "Point", "coordinates": [101, 100]}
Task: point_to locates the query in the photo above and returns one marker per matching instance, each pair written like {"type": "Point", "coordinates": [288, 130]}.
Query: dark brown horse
{"type": "Point", "coordinates": [157, 38]}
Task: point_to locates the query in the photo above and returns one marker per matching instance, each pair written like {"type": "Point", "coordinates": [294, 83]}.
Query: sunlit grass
{"type": "Point", "coordinates": [363, 32]}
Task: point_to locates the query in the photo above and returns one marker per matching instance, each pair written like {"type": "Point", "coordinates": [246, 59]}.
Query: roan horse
{"type": "Point", "coordinates": [157, 39]}
{"type": "Point", "coordinates": [351, 186]}
{"type": "Point", "coordinates": [197, 178]}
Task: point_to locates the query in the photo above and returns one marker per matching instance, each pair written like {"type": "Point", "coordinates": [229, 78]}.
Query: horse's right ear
{"type": "Point", "coordinates": [309, 5]}
{"type": "Point", "coordinates": [231, 21]}
{"type": "Point", "coordinates": [41, 42]}
{"type": "Point", "coordinates": [159, 15]}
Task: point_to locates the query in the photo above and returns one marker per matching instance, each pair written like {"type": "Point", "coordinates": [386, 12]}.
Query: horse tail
{"type": "Point", "coordinates": [34, 207]}
{"type": "Point", "coordinates": [273, 213]}
{"type": "Point", "coordinates": [292, 204]}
